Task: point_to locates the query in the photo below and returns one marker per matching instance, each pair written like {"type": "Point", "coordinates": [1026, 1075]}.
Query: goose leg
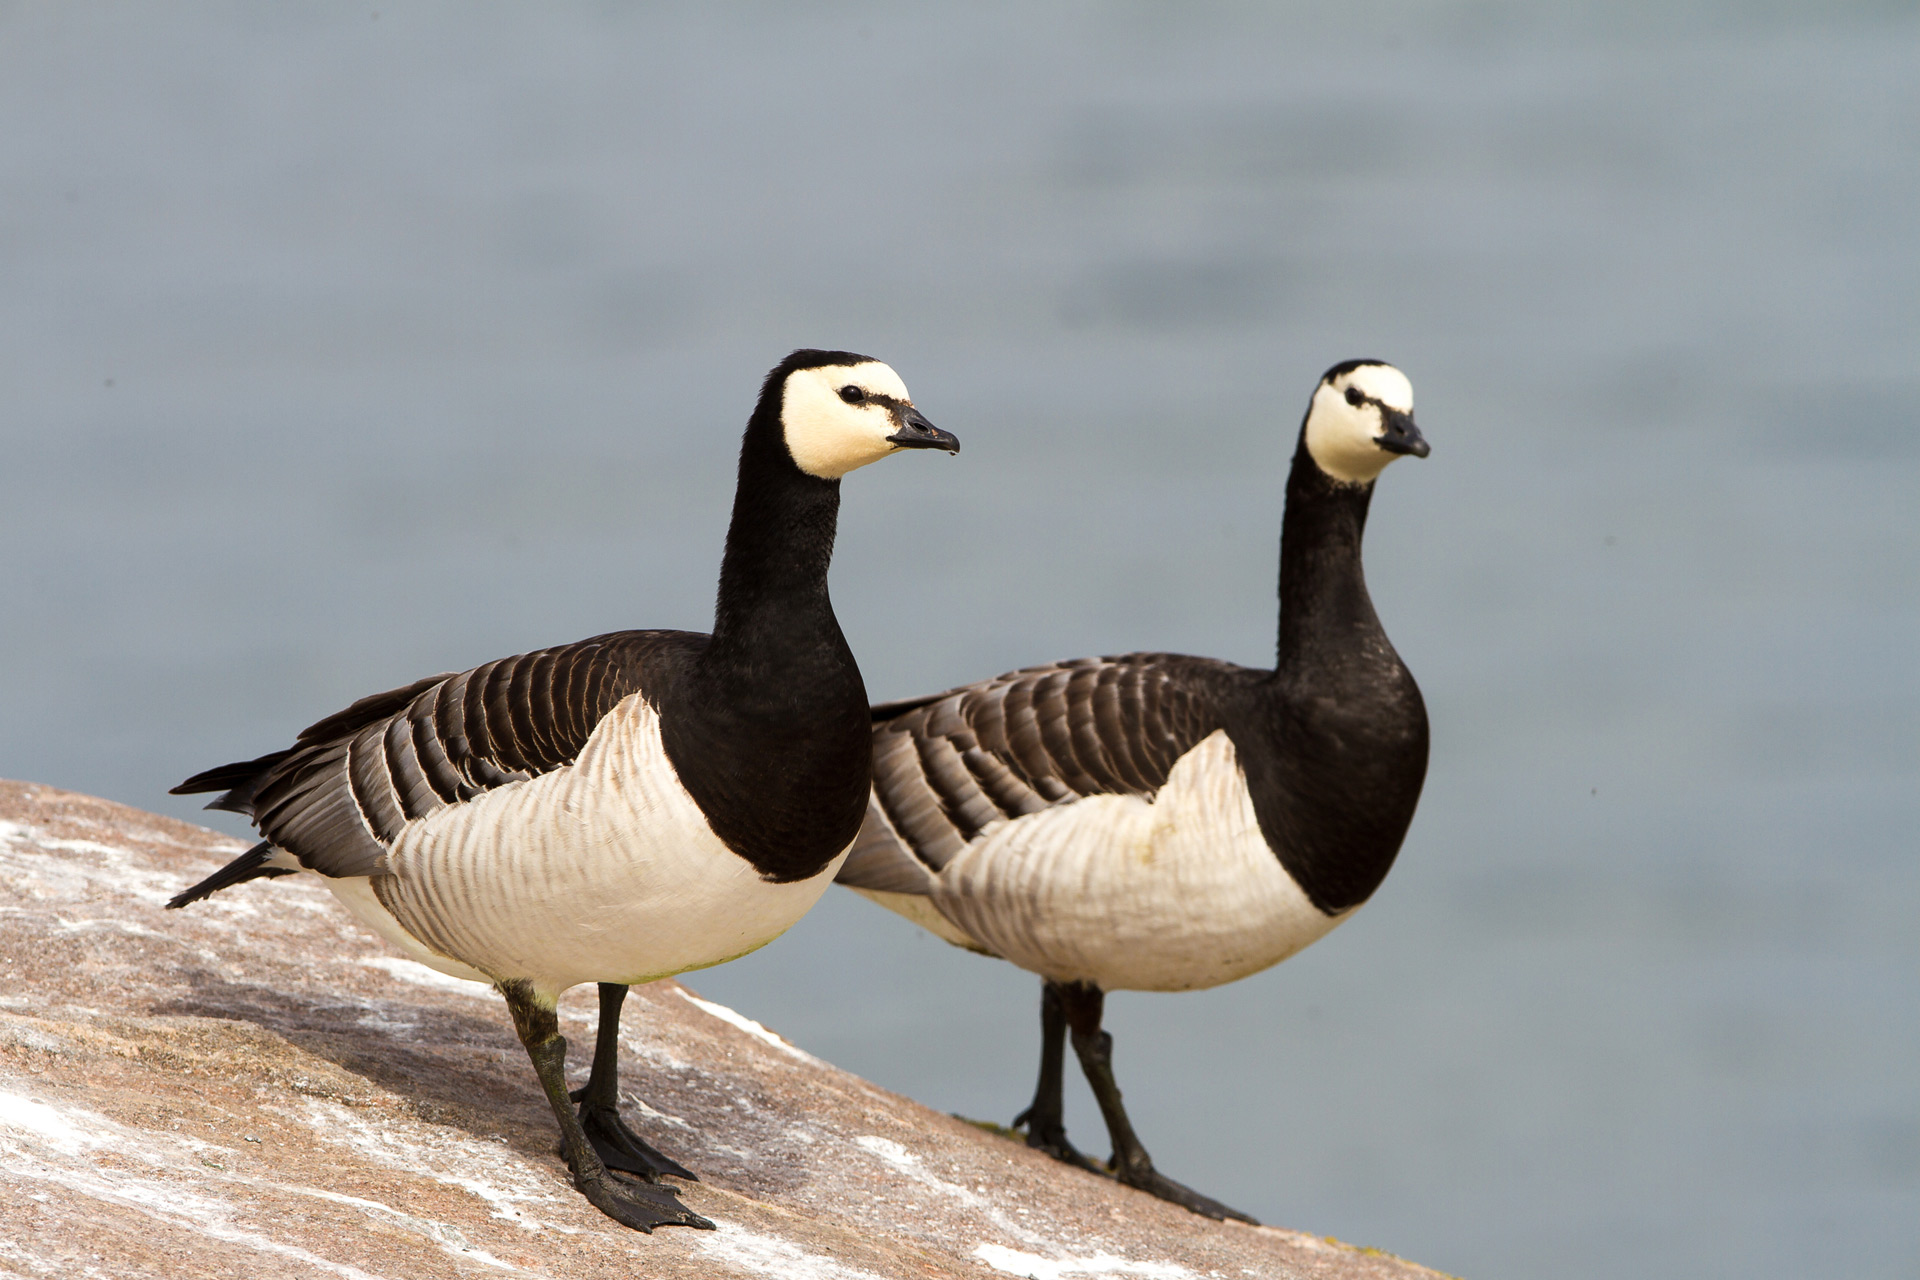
{"type": "Point", "coordinates": [617, 1146]}
{"type": "Point", "coordinates": [642, 1206]}
{"type": "Point", "coordinates": [1082, 1004]}
{"type": "Point", "coordinates": [1045, 1119]}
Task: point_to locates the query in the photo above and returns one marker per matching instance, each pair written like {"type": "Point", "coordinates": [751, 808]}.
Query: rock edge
{"type": "Point", "coordinates": [258, 1086]}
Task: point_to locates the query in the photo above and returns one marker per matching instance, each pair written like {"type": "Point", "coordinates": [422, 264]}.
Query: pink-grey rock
{"type": "Point", "coordinates": [256, 1086]}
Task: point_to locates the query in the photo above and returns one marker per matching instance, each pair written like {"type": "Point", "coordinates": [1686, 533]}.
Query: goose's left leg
{"type": "Point", "coordinates": [618, 1146]}
{"type": "Point", "coordinates": [1083, 1004]}
{"type": "Point", "coordinates": [1045, 1117]}
{"type": "Point", "coordinates": [640, 1205]}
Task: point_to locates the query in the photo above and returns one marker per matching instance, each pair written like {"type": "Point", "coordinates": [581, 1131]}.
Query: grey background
{"type": "Point", "coordinates": [342, 345]}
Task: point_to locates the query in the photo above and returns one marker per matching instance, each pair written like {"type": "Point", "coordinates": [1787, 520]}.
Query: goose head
{"type": "Point", "coordinates": [839, 411]}
{"type": "Point", "coordinates": [1360, 419]}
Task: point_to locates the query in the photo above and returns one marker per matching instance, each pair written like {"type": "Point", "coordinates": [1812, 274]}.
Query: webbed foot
{"type": "Point", "coordinates": [621, 1148]}
{"type": "Point", "coordinates": [642, 1206]}
{"type": "Point", "coordinates": [1050, 1136]}
{"type": "Point", "coordinates": [1155, 1183]}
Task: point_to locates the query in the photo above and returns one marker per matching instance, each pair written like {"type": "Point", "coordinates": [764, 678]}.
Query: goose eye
{"type": "Point", "coordinates": [852, 394]}
{"type": "Point", "coordinates": [1354, 397]}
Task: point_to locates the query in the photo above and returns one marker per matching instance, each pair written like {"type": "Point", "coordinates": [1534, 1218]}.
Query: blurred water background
{"type": "Point", "coordinates": [342, 344]}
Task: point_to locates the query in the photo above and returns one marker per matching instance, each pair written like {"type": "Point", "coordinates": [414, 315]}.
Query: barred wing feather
{"type": "Point", "coordinates": [340, 796]}
{"type": "Point", "coordinates": [947, 767]}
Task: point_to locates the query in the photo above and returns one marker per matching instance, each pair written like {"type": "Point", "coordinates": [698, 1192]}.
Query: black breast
{"type": "Point", "coordinates": [1334, 774]}
{"type": "Point", "coordinates": [780, 769]}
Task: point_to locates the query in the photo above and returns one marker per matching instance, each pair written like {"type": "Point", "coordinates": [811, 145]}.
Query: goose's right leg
{"type": "Point", "coordinates": [642, 1206]}
{"type": "Point", "coordinates": [1045, 1119]}
{"type": "Point", "coordinates": [1082, 1004]}
{"type": "Point", "coordinates": [617, 1146]}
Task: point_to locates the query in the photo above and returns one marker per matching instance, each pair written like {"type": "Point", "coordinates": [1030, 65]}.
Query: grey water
{"type": "Point", "coordinates": [343, 344]}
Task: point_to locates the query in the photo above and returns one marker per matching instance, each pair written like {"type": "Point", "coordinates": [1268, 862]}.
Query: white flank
{"type": "Point", "coordinates": [602, 871]}
{"type": "Point", "coordinates": [1174, 894]}
{"type": "Point", "coordinates": [829, 437]}
{"type": "Point", "coordinates": [357, 895]}
{"type": "Point", "coordinates": [920, 909]}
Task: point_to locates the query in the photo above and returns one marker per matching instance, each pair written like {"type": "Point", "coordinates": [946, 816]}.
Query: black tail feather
{"type": "Point", "coordinates": [251, 865]}
{"type": "Point", "coordinates": [239, 780]}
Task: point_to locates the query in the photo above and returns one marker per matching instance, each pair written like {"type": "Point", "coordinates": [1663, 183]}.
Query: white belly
{"type": "Point", "coordinates": [602, 871]}
{"type": "Point", "coordinates": [1174, 894]}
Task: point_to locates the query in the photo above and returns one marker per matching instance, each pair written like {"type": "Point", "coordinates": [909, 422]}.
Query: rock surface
{"type": "Point", "coordinates": [256, 1086]}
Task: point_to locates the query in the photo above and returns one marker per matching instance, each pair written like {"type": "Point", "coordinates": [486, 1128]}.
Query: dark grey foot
{"type": "Point", "coordinates": [621, 1148]}
{"type": "Point", "coordinates": [1050, 1136]}
{"type": "Point", "coordinates": [1155, 1183]}
{"type": "Point", "coordinates": [1081, 1005]}
{"type": "Point", "coordinates": [642, 1206]}
{"type": "Point", "coordinates": [1045, 1117]}
{"type": "Point", "coordinates": [617, 1146]}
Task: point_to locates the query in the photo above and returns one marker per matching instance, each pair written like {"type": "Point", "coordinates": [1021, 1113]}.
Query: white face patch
{"type": "Point", "coordinates": [1342, 436]}
{"type": "Point", "coordinates": [827, 435]}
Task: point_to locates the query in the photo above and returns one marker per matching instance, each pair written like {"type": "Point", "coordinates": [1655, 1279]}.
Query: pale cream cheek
{"type": "Point", "coordinates": [829, 447]}
{"type": "Point", "coordinates": [827, 436]}
{"type": "Point", "coordinates": [1341, 439]}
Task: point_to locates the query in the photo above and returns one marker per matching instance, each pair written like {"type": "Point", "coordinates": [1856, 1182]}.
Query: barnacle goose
{"type": "Point", "coordinates": [624, 808]}
{"type": "Point", "coordinates": [1155, 822]}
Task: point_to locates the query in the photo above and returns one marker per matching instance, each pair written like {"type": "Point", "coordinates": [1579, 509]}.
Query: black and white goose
{"type": "Point", "coordinates": [1156, 822]}
{"type": "Point", "coordinates": [614, 811]}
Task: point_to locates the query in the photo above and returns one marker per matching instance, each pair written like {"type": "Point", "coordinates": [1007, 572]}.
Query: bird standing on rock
{"type": "Point", "coordinates": [621, 809]}
{"type": "Point", "coordinates": [1157, 822]}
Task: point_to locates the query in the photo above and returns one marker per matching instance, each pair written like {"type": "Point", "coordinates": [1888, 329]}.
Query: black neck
{"type": "Point", "coordinates": [1326, 615]}
{"type": "Point", "coordinates": [773, 577]}
{"type": "Point", "coordinates": [1334, 744]}
{"type": "Point", "coordinates": [769, 731]}
{"type": "Point", "coordinates": [773, 622]}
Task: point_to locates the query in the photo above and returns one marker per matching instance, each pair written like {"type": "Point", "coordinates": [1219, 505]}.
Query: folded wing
{"type": "Point", "coordinates": [340, 796]}
{"type": "Point", "coordinates": [948, 767]}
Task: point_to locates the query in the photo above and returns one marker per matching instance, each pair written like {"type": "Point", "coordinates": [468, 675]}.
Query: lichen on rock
{"type": "Point", "coordinates": [257, 1086]}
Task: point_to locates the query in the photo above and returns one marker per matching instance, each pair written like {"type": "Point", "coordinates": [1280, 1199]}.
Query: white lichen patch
{"type": "Point", "coordinates": [110, 926]}
{"type": "Point", "coordinates": [652, 1054]}
{"type": "Point", "coordinates": [88, 868]}
{"type": "Point", "coordinates": [1097, 1267]}
{"type": "Point", "coordinates": [489, 1171]}
{"type": "Point", "coordinates": [17, 1034]}
{"type": "Point", "coordinates": [752, 1028]}
{"type": "Point", "coordinates": [913, 1167]}
{"type": "Point", "coordinates": [653, 1113]}
{"type": "Point", "coordinates": [17, 1260]}
{"type": "Point", "coordinates": [43, 1145]}
{"type": "Point", "coordinates": [37, 1124]}
{"type": "Point", "coordinates": [773, 1258]}
{"type": "Point", "coordinates": [420, 976]}
{"type": "Point", "coordinates": [1058, 1262]}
